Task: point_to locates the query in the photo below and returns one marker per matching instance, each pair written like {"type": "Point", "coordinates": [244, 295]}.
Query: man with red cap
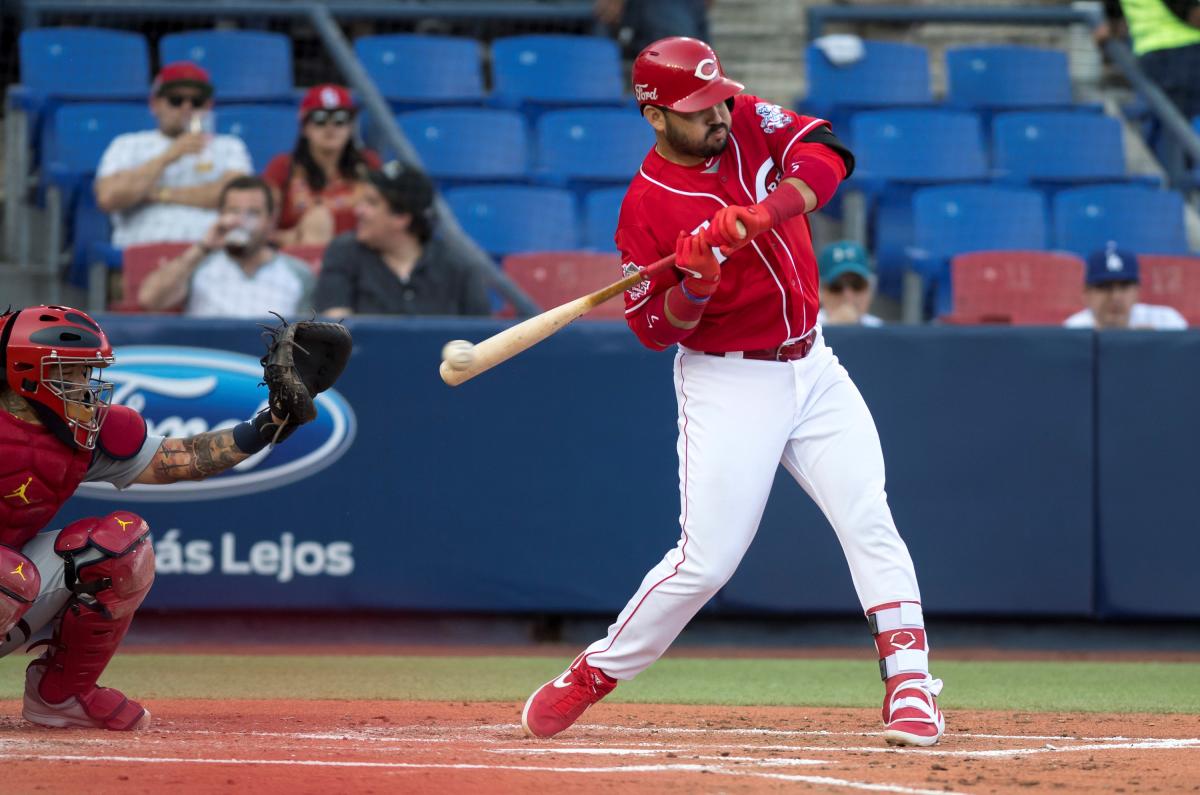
{"type": "Point", "coordinates": [163, 184]}
{"type": "Point", "coordinates": [727, 188]}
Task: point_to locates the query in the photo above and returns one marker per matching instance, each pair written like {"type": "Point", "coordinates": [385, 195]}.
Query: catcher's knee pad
{"type": "Point", "coordinates": [19, 586]}
{"type": "Point", "coordinates": [109, 562]}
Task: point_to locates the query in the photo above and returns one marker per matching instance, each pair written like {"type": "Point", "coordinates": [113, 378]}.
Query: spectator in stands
{"type": "Point", "coordinates": [232, 271]}
{"type": "Point", "coordinates": [847, 286]}
{"type": "Point", "coordinates": [392, 264]}
{"type": "Point", "coordinates": [639, 22]}
{"type": "Point", "coordinates": [163, 184]}
{"type": "Point", "coordinates": [318, 184]}
{"type": "Point", "coordinates": [1111, 296]}
{"type": "Point", "coordinates": [1166, 39]}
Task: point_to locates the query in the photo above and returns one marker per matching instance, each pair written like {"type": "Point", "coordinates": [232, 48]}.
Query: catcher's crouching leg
{"type": "Point", "coordinates": [109, 565]}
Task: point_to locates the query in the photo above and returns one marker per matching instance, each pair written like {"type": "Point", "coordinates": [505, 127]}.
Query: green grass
{"type": "Point", "coordinates": [1014, 686]}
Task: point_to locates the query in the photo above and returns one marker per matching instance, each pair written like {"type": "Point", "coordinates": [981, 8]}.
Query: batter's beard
{"type": "Point", "coordinates": [703, 149]}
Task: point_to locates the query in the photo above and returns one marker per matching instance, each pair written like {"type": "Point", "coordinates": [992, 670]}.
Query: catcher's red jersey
{"type": "Point", "coordinates": [768, 292]}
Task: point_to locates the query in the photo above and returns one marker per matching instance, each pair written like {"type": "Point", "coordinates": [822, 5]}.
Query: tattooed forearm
{"type": "Point", "coordinates": [196, 457]}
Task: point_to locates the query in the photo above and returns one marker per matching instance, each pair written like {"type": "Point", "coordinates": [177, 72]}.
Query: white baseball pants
{"type": "Point", "coordinates": [738, 420]}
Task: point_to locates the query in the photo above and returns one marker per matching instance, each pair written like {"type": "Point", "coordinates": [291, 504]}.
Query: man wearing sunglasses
{"type": "Point", "coordinates": [847, 286]}
{"type": "Point", "coordinates": [163, 184]}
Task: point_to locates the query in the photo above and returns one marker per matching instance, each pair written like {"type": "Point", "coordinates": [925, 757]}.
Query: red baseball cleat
{"type": "Point", "coordinates": [98, 708]}
{"type": "Point", "coordinates": [911, 713]}
{"type": "Point", "coordinates": [557, 704]}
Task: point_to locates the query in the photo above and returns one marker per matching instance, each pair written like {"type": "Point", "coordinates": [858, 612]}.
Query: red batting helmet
{"type": "Point", "coordinates": [681, 74]}
{"type": "Point", "coordinates": [35, 344]}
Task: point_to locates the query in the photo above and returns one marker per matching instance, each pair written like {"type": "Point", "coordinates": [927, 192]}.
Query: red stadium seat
{"type": "Point", "coordinates": [555, 277]}
{"type": "Point", "coordinates": [1173, 281]}
{"type": "Point", "coordinates": [138, 262]}
{"type": "Point", "coordinates": [310, 254]}
{"type": "Point", "coordinates": [1018, 287]}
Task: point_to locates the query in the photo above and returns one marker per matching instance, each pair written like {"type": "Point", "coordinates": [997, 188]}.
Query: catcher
{"type": "Point", "coordinates": [58, 429]}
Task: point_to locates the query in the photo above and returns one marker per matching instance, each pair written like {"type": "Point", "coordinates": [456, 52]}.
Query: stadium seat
{"type": "Point", "coordinates": [138, 262]}
{"type": "Point", "coordinates": [267, 130]}
{"type": "Point", "coordinates": [1058, 147]}
{"type": "Point", "coordinates": [311, 255]}
{"type": "Point", "coordinates": [1007, 76]}
{"type": "Point", "coordinates": [505, 219]}
{"type": "Point", "coordinates": [413, 70]}
{"type": "Point", "coordinates": [890, 73]}
{"type": "Point", "coordinates": [1018, 287]}
{"type": "Point", "coordinates": [1140, 219]}
{"type": "Point", "coordinates": [601, 209]}
{"type": "Point", "coordinates": [541, 70]}
{"type": "Point", "coordinates": [955, 219]}
{"type": "Point", "coordinates": [78, 135]}
{"type": "Point", "coordinates": [1172, 281]}
{"type": "Point", "coordinates": [469, 144]}
{"type": "Point", "coordinates": [555, 277]}
{"type": "Point", "coordinates": [917, 146]}
{"type": "Point", "coordinates": [591, 145]}
{"type": "Point", "coordinates": [245, 66]}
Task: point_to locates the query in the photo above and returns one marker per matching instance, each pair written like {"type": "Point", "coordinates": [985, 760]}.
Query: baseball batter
{"type": "Point", "coordinates": [57, 429]}
{"type": "Point", "coordinates": [755, 383]}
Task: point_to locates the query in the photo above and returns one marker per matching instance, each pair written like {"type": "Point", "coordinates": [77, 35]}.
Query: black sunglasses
{"type": "Point", "coordinates": [338, 118]}
{"type": "Point", "coordinates": [178, 100]}
{"type": "Point", "coordinates": [852, 282]}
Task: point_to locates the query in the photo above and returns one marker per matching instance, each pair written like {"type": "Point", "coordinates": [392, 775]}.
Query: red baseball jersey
{"type": "Point", "coordinates": [769, 289]}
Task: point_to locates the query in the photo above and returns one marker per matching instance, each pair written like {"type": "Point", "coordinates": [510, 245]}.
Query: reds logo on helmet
{"type": "Point", "coordinates": [681, 74]}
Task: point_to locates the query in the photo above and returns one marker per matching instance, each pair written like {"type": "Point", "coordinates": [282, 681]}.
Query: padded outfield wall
{"type": "Point", "coordinates": [1033, 472]}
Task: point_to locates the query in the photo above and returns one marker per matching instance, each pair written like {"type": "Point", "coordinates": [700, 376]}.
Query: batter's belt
{"type": "Point", "coordinates": [784, 353]}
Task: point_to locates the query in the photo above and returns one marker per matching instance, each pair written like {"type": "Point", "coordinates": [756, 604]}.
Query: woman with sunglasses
{"type": "Point", "coordinates": [318, 184]}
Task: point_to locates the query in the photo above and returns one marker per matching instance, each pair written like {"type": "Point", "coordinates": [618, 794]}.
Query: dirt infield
{"type": "Point", "coordinates": [431, 747]}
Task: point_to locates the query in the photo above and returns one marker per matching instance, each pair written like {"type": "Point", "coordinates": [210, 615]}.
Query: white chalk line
{"type": "Point", "coordinates": [766, 761]}
{"type": "Point", "coordinates": [676, 768]}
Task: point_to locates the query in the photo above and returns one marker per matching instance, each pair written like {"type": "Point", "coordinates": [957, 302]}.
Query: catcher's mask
{"type": "Point", "coordinates": [52, 356]}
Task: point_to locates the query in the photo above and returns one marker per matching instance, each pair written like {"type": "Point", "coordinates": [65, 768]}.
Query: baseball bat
{"type": "Point", "coordinates": [501, 347]}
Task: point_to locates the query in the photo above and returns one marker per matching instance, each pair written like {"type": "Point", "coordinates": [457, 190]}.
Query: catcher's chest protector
{"type": "Point", "coordinates": [37, 475]}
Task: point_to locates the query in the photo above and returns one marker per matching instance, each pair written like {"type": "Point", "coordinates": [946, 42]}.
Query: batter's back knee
{"type": "Point", "coordinates": [20, 582]}
{"type": "Point", "coordinates": [109, 561]}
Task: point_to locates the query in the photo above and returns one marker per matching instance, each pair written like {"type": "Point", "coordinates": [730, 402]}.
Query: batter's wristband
{"type": "Point", "coordinates": [247, 438]}
{"type": "Point", "coordinates": [695, 299]}
{"type": "Point", "coordinates": [819, 175]}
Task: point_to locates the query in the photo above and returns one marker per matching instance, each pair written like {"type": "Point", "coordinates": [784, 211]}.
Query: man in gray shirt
{"type": "Point", "coordinates": [391, 264]}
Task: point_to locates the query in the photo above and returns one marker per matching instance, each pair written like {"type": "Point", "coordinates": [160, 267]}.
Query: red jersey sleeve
{"type": "Point", "coordinates": [276, 172]}
{"type": "Point", "coordinates": [644, 301]}
{"type": "Point", "coordinates": [803, 147]}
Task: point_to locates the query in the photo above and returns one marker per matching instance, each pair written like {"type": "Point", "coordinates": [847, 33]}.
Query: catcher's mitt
{"type": "Point", "coordinates": [303, 360]}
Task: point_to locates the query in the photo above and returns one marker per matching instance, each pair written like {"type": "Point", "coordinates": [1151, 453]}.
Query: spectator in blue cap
{"type": "Point", "coordinates": [1111, 295]}
{"type": "Point", "coordinates": [847, 285]}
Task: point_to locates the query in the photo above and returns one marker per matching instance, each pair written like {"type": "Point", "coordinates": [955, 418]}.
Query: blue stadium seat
{"type": "Point", "coordinates": [591, 145]}
{"type": "Point", "coordinates": [1058, 146]}
{"type": "Point", "coordinates": [954, 219]}
{"type": "Point", "coordinates": [267, 130]}
{"type": "Point", "coordinates": [469, 144]}
{"type": "Point", "coordinates": [540, 70]}
{"type": "Point", "coordinates": [245, 66]}
{"type": "Point", "coordinates": [507, 219]}
{"type": "Point", "coordinates": [411, 69]}
{"type": "Point", "coordinates": [81, 133]}
{"type": "Point", "coordinates": [889, 74]}
{"type": "Point", "coordinates": [1140, 219]}
{"type": "Point", "coordinates": [601, 209]}
{"type": "Point", "coordinates": [917, 146]}
{"type": "Point", "coordinates": [1007, 76]}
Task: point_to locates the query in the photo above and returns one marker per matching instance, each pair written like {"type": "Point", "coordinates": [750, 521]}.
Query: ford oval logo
{"type": "Point", "coordinates": [182, 391]}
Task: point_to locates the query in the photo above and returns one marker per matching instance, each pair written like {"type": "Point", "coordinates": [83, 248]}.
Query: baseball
{"type": "Point", "coordinates": [459, 354]}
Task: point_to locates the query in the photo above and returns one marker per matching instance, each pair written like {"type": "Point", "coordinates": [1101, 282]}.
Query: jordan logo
{"type": "Point", "coordinates": [20, 492]}
{"type": "Point", "coordinates": [19, 570]}
{"type": "Point", "coordinates": [123, 523]}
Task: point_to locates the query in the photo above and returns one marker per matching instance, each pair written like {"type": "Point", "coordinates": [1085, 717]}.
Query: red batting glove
{"type": "Point", "coordinates": [694, 256]}
{"type": "Point", "coordinates": [723, 231]}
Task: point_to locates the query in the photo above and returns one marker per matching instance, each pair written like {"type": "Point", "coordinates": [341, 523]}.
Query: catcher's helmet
{"type": "Point", "coordinates": [36, 343]}
{"type": "Point", "coordinates": [681, 74]}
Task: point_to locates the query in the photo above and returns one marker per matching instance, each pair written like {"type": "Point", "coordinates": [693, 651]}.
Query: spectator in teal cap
{"type": "Point", "coordinates": [847, 286]}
